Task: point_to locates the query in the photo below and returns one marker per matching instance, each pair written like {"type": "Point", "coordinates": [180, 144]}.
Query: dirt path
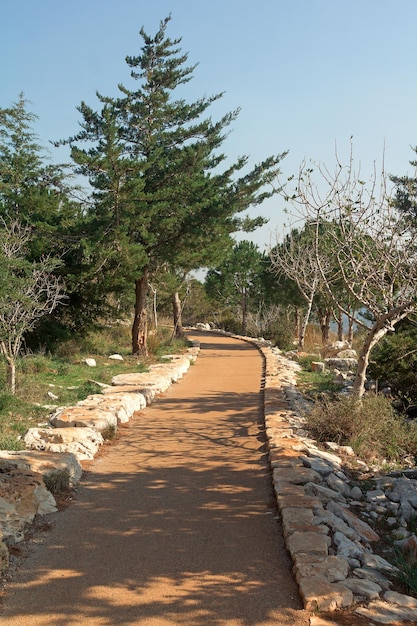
{"type": "Point", "coordinates": [175, 523]}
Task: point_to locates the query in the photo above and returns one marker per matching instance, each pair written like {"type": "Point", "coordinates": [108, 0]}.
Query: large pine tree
{"type": "Point", "coordinates": [154, 162]}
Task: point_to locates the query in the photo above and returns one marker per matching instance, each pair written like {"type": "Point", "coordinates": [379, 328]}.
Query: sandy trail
{"type": "Point", "coordinates": [175, 523]}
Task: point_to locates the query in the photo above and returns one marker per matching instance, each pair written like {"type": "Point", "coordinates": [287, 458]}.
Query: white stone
{"type": "Point", "coordinates": [402, 600]}
{"type": "Point", "coordinates": [44, 463]}
{"type": "Point", "coordinates": [384, 613]}
{"type": "Point", "coordinates": [347, 548]}
{"type": "Point", "coordinates": [377, 562]}
{"type": "Point", "coordinates": [363, 588]}
{"type": "Point", "coordinates": [90, 362]}
{"type": "Point", "coordinates": [116, 357]}
{"type": "Point", "coordinates": [337, 484]}
{"type": "Point", "coordinates": [82, 442]}
{"type": "Point", "coordinates": [356, 493]}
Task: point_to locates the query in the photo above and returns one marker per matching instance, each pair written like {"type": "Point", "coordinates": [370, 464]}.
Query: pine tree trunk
{"type": "Point", "coordinates": [140, 323]}
{"type": "Point", "coordinates": [177, 313]}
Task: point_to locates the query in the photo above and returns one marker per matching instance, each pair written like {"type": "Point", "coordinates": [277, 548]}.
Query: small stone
{"type": "Point", "coordinates": [318, 465]}
{"type": "Point", "coordinates": [372, 574]}
{"type": "Point", "coordinates": [363, 588]}
{"type": "Point", "coordinates": [116, 357]}
{"type": "Point", "coordinates": [356, 493]}
{"type": "Point", "coordinates": [347, 548]}
{"type": "Point", "coordinates": [91, 362]}
{"type": "Point", "coordinates": [296, 475]}
{"type": "Point", "coordinates": [308, 543]}
{"type": "Point", "coordinates": [320, 595]}
{"type": "Point", "coordinates": [338, 484]}
{"type": "Point", "coordinates": [384, 613]}
{"type": "Point", "coordinates": [402, 600]}
{"type": "Point", "coordinates": [377, 562]}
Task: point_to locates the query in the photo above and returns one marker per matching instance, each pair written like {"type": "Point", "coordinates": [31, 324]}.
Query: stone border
{"type": "Point", "coordinates": [74, 434]}
{"type": "Point", "coordinates": [331, 546]}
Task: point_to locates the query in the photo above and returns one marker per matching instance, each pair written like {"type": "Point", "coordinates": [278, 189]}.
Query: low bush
{"type": "Point", "coordinates": [58, 481]}
{"type": "Point", "coordinates": [369, 425]}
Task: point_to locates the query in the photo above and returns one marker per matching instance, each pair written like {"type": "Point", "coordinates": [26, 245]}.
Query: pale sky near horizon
{"type": "Point", "coordinates": [307, 74]}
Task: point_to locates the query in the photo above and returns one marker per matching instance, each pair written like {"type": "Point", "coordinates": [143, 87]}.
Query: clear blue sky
{"type": "Point", "coordinates": [306, 73]}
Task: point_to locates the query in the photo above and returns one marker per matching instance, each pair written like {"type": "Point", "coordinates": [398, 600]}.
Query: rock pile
{"type": "Point", "coordinates": [74, 434]}
{"type": "Point", "coordinates": [327, 518]}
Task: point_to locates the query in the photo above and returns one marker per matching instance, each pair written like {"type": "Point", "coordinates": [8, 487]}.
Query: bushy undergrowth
{"type": "Point", "coordinates": [369, 425]}
{"type": "Point", "coordinates": [63, 378]}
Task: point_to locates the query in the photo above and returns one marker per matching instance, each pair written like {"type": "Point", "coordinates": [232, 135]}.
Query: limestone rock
{"type": "Point", "coordinates": [363, 588]}
{"type": "Point", "coordinates": [342, 364]}
{"type": "Point", "coordinates": [333, 568]}
{"type": "Point", "coordinates": [385, 613]}
{"type": "Point", "coordinates": [123, 405]}
{"type": "Point", "coordinates": [88, 417]}
{"type": "Point", "coordinates": [320, 595]}
{"type": "Point", "coordinates": [295, 475]}
{"type": "Point", "coordinates": [82, 442]}
{"type": "Point", "coordinates": [44, 463]}
{"type": "Point", "coordinates": [361, 527]}
{"type": "Point", "coordinates": [22, 496]}
{"type": "Point", "coordinates": [158, 382]}
{"type": "Point", "coordinates": [308, 543]}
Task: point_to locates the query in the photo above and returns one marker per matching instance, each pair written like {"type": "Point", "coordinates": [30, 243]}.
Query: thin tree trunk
{"type": "Point", "coordinates": [177, 313]}
{"type": "Point", "coordinates": [297, 322]}
{"type": "Point", "coordinates": [375, 334]}
{"type": "Point", "coordinates": [325, 317]}
{"type": "Point", "coordinates": [304, 325]}
{"type": "Point", "coordinates": [244, 312]}
{"type": "Point", "coordinates": [140, 322]}
{"type": "Point", "coordinates": [11, 376]}
{"type": "Point", "coordinates": [350, 332]}
{"type": "Point", "coordinates": [339, 321]}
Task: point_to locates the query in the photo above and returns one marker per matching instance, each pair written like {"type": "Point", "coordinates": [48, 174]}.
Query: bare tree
{"type": "Point", "coordinates": [296, 259]}
{"type": "Point", "coordinates": [373, 252]}
{"type": "Point", "coordinates": [28, 291]}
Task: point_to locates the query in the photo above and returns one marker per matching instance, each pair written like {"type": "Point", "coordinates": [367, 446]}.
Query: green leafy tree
{"type": "Point", "coordinates": [237, 281]}
{"type": "Point", "coordinates": [40, 195]}
{"type": "Point", "coordinates": [32, 190]}
{"type": "Point", "coordinates": [154, 163]}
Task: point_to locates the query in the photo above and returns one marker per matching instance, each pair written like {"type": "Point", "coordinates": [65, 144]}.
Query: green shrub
{"type": "Point", "coordinates": [406, 562]}
{"type": "Point", "coordinates": [394, 361]}
{"type": "Point", "coordinates": [370, 426]}
{"type": "Point", "coordinates": [58, 481]}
